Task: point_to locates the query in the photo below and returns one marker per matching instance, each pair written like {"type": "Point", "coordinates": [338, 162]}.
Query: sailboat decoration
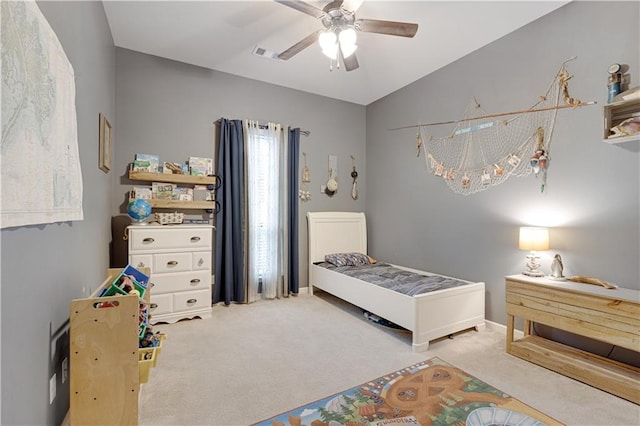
{"type": "Point", "coordinates": [484, 150]}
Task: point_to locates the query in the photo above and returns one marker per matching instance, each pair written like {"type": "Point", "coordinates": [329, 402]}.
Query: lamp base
{"type": "Point", "coordinates": [533, 265]}
{"type": "Point", "coordinates": [551, 277]}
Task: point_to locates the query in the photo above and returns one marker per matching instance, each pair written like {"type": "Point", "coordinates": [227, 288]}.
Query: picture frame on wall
{"type": "Point", "coordinates": [104, 160]}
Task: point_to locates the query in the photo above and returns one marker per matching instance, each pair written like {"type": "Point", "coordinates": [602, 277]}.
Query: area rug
{"type": "Point", "coordinates": [431, 392]}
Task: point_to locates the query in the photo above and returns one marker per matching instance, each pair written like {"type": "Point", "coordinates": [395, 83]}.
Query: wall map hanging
{"type": "Point", "coordinates": [484, 150]}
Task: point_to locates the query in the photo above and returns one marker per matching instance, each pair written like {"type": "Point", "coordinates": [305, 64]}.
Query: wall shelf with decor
{"type": "Point", "coordinates": [177, 179]}
{"type": "Point", "coordinates": [614, 114]}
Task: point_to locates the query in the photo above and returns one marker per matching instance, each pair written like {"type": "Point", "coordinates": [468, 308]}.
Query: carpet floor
{"type": "Point", "coordinates": [250, 362]}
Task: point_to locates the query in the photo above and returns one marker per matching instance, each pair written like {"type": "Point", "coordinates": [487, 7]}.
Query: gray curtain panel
{"type": "Point", "coordinates": [292, 199]}
{"type": "Point", "coordinates": [229, 269]}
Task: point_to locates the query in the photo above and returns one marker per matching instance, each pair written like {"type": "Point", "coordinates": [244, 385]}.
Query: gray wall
{"type": "Point", "coordinates": [44, 267]}
{"type": "Point", "coordinates": [592, 194]}
{"type": "Point", "coordinates": [168, 108]}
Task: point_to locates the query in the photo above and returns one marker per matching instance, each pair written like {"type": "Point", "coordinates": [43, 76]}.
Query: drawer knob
{"type": "Point", "coordinates": [191, 301]}
{"type": "Point", "coordinates": [148, 240]}
{"type": "Point", "coordinates": [195, 281]}
{"type": "Point", "coordinates": [200, 262]}
{"type": "Point", "coordinates": [154, 305]}
{"type": "Point", "coordinates": [195, 239]}
{"type": "Point", "coordinates": [141, 265]}
{"type": "Point", "coordinates": [172, 263]}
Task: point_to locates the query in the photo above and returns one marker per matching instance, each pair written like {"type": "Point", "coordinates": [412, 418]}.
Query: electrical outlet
{"type": "Point", "coordinates": [52, 388]}
{"type": "Point", "coordinates": [65, 369]}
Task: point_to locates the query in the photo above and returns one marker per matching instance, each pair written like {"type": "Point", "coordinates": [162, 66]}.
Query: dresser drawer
{"type": "Point", "coordinates": [201, 260]}
{"type": "Point", "coordinates": [152, 238]}
{"type": "Point", "coordinates": [181, 281]}
{"type": "Point", "coordinates": [141, 260]}
{"type": "Point", "coordinates": [190, 300]}
{"type": "Point", "coordinates": [163, 304]}
{"type": "Point", "coordinates": [171, 262]}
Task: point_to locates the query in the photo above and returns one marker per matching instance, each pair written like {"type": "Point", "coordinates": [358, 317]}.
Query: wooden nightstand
{"type": "Point", "coordinates": [611, 316]}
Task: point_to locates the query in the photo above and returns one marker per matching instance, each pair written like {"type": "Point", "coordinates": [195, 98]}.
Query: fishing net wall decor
{"type": "Point", "coordinates": [484, 150]}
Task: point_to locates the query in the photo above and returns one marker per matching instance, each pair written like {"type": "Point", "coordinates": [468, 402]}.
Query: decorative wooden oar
{"type": "Point", "coordinates": [591, 280]}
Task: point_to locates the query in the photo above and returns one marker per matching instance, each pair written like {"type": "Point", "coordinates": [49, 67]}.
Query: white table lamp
{"type": "Point", "coordinates": [533, 239]}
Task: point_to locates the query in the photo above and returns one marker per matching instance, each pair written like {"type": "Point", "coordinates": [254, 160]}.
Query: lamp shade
{"type": "Point", "coordinates": [534, 239]}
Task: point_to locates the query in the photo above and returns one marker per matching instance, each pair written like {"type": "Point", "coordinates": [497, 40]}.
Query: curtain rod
{"type": "Point", "coordinates": [263, 126]}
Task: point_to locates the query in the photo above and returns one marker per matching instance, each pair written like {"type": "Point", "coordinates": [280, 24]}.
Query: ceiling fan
{"type": "Point", "coordinates": [338, 38]}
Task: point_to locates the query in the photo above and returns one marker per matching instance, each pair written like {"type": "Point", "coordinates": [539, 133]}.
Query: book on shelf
{"type": "Point", "coordinates": [196, 221]}
{"type": "Point", "coordinates": [182, 193]}
{"type": "Point", "coordinates": [142, 192]}
{"type": "Point", "coordinates": [201, 166]}
{"type": "Point", "coordinates": [146, 162]}
{"type": "Point", "coordinates": [141, 166]}
{"type": "Point", "coordinates": [202, 195]}
{"type": "Point", "coordinates": [175, 168]}
{"type": "Point", "coordinates": [163, 190]}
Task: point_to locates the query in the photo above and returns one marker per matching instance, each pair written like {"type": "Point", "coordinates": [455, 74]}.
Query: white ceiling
{"type": "Point", "coordinates": [221, 35]}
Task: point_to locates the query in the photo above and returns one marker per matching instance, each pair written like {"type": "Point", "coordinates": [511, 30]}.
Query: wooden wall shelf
{"type": "Point", "coordinates": [172, 178]}
{"type": "Point", "coordinates": [177, 204]}
{"type": "Point", "coordinates": [176, 179]}
{"type": "Point", "coordinates": [614, 114]}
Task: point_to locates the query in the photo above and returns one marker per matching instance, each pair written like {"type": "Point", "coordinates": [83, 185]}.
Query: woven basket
{"type": "Point", "coordinates": [169, 218]}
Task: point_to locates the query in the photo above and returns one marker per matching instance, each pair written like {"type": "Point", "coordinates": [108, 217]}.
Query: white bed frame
{"type": "Point", "coordinates": [429, 316]}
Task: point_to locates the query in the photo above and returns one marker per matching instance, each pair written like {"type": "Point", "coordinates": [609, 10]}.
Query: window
{"type": "Point", "coordinates": [264, 209]}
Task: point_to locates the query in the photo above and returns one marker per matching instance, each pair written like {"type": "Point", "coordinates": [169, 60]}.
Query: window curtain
{"type": "Point", "coordinates": [230, 279]}
{"type": "Point", "coordinates": [265, 161]}
{"type": "Point", "coordinates": [257, 226]}
{"type": "Point", "coordinates": [293, 283]}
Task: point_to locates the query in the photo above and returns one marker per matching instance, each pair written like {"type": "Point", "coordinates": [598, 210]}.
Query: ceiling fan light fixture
{"type": "Point", "coordinates": [348, 38]}
{"type": "Point", "coordinates": [327, 40]}
{"type": "Point", "coordinates": [331, 52]}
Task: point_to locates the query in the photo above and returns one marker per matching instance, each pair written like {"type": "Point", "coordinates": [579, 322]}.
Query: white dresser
{"type": "Point", "coordinates": [180, 260]}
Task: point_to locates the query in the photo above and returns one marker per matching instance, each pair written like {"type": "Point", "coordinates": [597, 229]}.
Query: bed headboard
{"type": "Point", "coordinates": [336, 232]}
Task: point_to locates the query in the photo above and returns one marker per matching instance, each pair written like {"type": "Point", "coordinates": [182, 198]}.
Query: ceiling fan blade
{"type": "Point", "coordinates": [351, 6]}
{"type": "Point", "coordinates": [302, 7]}
{"type": "Point", "coordinates": [403, 29]}
{"type": "Point", "coordinates": [350, 63]}
{"type": "Point", "coordinates": [300, 46]}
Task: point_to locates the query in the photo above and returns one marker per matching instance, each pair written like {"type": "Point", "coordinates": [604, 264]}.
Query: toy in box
{"type": "Point", "coordinates": [130, 280]}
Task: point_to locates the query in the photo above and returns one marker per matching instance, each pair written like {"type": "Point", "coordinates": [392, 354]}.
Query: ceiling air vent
{"type": "Point", "coordinates": [263, 52]}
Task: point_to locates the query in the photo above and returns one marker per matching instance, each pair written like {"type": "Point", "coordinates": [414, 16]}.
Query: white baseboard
{"type": "Point", "coordinates": [517, 334]}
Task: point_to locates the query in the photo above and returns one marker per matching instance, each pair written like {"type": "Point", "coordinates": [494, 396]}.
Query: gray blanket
{"type": "Point", "coordinates": [400, 280]}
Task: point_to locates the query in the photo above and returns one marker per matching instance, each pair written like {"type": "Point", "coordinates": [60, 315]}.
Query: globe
{"type": "Point", "coordinates": [138, 210]}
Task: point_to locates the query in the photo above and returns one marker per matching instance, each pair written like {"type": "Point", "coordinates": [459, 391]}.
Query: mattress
{"type": "Point", "coordinates": [396, 279]}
